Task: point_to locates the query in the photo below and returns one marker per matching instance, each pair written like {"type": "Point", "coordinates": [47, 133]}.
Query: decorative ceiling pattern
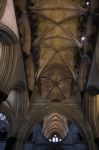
{"type": "Point", "coordinates": [55, 124]}
{"type": "Point", "coordinates": [51, 84]}
{"type": "Point", "coordinates": [57, 39]}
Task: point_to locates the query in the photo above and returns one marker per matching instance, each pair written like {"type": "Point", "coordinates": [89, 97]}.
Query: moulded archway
{"type": "Point", "coordinates": [9, 51]}
{"type": "Point", "coordinates": [74, 115]}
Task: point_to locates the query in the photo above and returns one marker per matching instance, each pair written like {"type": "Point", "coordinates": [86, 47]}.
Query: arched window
{"type": "Point", "coordinates": [55, 139]}
{"type": "Point", "coordinates": [4, 126]}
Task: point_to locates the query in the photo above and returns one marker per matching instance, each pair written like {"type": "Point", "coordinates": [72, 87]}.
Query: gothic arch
{"type": "Point", "coordinates": [9, 56]}
{"type": "Point", "coordinates": [15, 108]}
{"type": "Point", "coordinates": [75, 115]}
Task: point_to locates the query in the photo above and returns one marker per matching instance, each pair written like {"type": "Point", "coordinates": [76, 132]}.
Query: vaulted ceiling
{"type": "Point", "coordinates": [57, 32]}
{"type": "Point", "coordinates": [57, 42]}
{"type": "Point", "coordinates": [58, 48]}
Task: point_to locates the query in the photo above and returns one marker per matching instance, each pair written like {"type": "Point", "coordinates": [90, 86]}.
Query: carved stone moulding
{"type": "Point", "coordinates": [8, 58]}
{"type": "Point", "coordinates": [91, 104]}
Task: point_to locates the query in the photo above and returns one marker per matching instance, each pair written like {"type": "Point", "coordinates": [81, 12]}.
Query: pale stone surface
{"type": "Point", "coordinates": [0, 50]}
{"type": "Point", "coordinates": [9, 18]}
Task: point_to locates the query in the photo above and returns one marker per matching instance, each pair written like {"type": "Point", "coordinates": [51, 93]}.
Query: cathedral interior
{"type": "Point", "coordinates": [49, 75]}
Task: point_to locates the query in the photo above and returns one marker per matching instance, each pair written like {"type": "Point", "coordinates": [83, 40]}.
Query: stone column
{"type": "Point", "coordinates": [10, 143]}
{"type": "Point", "coordinates": [97, 142]}
{"type": "Point", "coordinates": [93, 80]}
{"type": "Point", "coordinates": [20, 144]}
{"type": "Point", "coordinates": [3, 97]}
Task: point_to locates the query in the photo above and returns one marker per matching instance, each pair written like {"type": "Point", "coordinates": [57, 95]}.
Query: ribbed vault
{"type": "Point", "coordinates": [55, 43]}
{"type": "Point", "coordinates": [55, 124]}
{"type": "Point", "coordinates": [57, 37]}
{"type": "Point", "coordinates": [56, 81]}
{"type": "Point", "coordinates": [56, 62]}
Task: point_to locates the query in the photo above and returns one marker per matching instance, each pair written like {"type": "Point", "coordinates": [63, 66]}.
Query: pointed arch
{"type": "Point", "coordinates": [9, 49]}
